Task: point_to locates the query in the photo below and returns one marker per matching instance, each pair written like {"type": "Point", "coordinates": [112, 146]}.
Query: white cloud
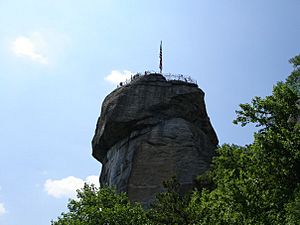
{"type": "Point", "coordinates": [30, 47]}
{"type": "Point", "coordinates": [45, 46]}
{"type": "Point", "coordinates": [92, 180]}
{"type": "Point", "coordinates": [67, 187]}
{"type": "Point", "coordinates": [115, 77]}
{"type": "Point", "coordinates": [2, 209]}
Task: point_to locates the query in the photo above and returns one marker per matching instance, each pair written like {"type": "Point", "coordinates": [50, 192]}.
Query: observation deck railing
{"type": "Point", "coordinates": [168, 76]}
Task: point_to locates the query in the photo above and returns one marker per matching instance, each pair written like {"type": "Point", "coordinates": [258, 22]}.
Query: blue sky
{"type": "Point", "coordinates": [60, 58]}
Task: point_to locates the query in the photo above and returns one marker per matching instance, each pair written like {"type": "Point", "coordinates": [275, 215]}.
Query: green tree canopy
{"type": "Point", "coordinates": [95, 206]}
{"type": "Point", "coordinates": [259, 183]}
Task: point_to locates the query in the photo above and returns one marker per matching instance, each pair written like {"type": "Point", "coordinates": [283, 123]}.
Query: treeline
{"type": "Point", "coordinates": [253, 184]}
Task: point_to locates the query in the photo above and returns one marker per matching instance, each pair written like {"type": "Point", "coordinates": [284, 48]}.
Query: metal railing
{"type": "Point", "coordinates": [180, 77]}
{"type": "Point", "coordinates": [168, 76]}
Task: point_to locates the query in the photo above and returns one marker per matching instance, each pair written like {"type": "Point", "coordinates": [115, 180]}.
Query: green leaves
{"type": "Point", "coordinates": [295, 61]}
{"type": "Point", "coordinates": [255, 183]}
{"type": "Point", "coordinates": [169, 206]}
{"type": "Point", "coordinates": [101, 206]}
{"type": "Point", "coordinates": [293, 209]}
{"type": "Point", "coordinates": [272, 112]}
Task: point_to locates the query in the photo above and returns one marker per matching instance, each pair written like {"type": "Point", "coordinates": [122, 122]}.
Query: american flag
{"type": "Point", "coordinates": [160, 57]}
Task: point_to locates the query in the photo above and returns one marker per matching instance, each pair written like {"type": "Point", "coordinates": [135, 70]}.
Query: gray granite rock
{"type": "Point", "coordinates": [150, 130]}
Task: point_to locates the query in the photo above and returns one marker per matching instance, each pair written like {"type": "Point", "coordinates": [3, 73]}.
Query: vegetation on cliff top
{"type": "Point", "coordinates": [253, 184]}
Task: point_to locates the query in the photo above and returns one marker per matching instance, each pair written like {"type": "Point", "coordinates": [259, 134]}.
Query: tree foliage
{"type": "Point", "coordinates": [169, 207]}
{"type": "Point", "coordinates": [101, 206]}
{"type": "Point", "coordinates": [254, 184]}
{"type": "Point", "coordinates": [259, 183]}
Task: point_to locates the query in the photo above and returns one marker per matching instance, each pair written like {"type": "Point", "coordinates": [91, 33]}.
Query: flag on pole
{"type": "Point", "coordinates": [160, 57]}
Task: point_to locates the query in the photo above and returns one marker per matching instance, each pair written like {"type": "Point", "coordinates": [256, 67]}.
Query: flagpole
{"type": "Point", "coordinates": [160, 58]}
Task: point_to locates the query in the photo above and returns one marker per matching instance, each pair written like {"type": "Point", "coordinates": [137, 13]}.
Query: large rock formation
{"type": "Point", "coordinates": [150, 130]}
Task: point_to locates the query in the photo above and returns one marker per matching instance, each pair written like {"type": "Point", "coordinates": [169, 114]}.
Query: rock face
{"type": "Point", "coordinates": [150, 130]}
